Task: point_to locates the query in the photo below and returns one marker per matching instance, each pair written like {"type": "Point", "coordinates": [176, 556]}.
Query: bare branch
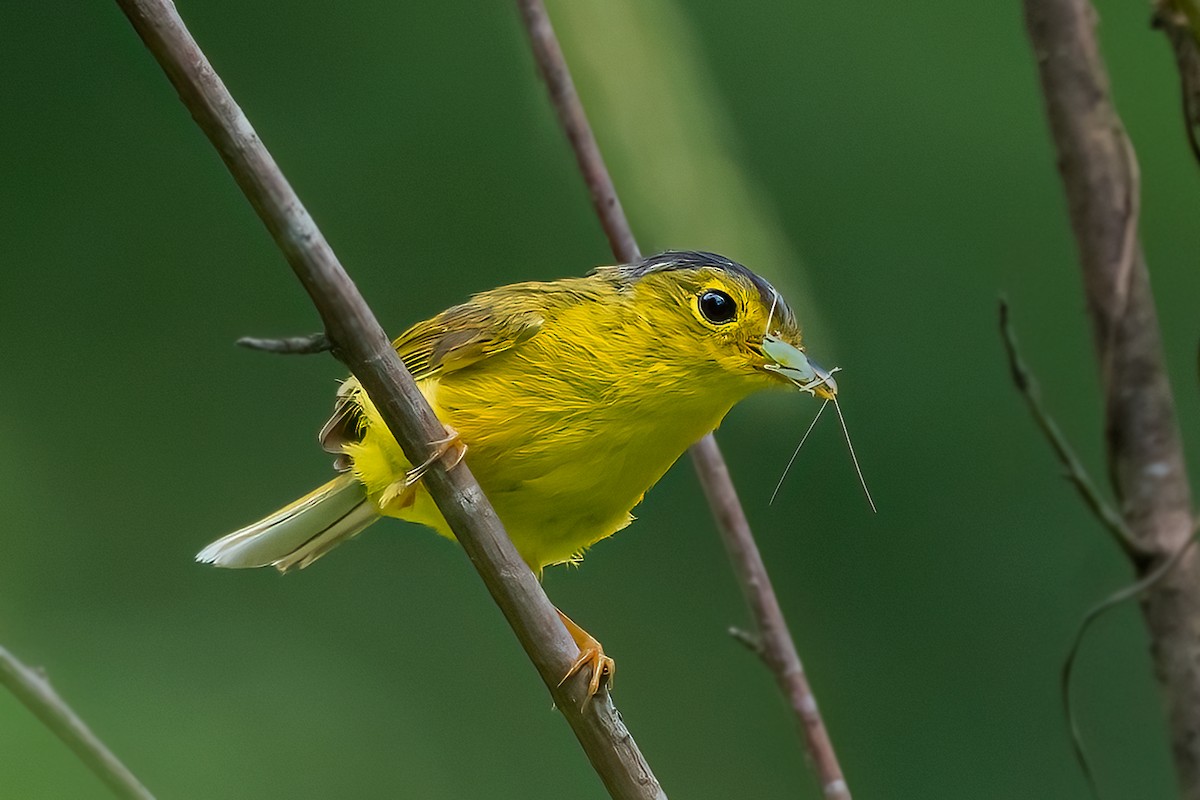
{"type": "Point", "coordinates": [31, 687]}
{"type": "Point", "coordinates": [775, 645]}
{"type": "Point", "coordinates": [289, 346]}
{"type": "Point", "coordinates": [775, 642]}
{"type": "Point", "coordinates": [370, 356]}
{"type": "Point", "coordinates": [553, 68]}
{"type": "Point", "coordinates": [1028, 387]}
{"type": "Point", "coordinates": [1145, 455]}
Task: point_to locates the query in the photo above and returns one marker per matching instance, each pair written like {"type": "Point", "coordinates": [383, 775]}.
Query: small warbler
{"type": "Point", "coordinates": [568, 399]}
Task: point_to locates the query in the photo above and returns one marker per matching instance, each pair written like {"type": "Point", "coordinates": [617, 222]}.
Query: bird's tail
{"type": "Point", "coordinates": [299, 533]}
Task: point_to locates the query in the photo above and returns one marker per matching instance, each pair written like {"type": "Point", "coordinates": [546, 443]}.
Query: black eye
{"type": "Point", "coordinates": [717, 307]}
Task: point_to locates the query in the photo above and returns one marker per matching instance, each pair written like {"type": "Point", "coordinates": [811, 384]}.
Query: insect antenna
{"type": "Point", "coordinates": [792, 460]}
{"type": "Point", "coordinates": [845, 432]}
{"type": "Point", "coordinates": [771, 315]}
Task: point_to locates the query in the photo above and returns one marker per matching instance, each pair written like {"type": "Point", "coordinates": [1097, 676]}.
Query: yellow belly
{"type": "Point", "coordinates": [561, 476]}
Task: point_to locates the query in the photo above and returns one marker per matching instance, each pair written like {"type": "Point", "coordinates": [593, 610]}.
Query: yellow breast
{"type": "Point", "coordinates": [565, 433]}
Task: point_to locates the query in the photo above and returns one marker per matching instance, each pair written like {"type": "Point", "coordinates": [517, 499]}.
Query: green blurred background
{"type": "Point", "coordinates": [887, 166]}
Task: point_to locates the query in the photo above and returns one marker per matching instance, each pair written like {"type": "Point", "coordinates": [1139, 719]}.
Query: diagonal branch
{"type": "Point", "coordinates": [35, 692]}
{"type": "Point", "coordinates": [364, 347]}
{"type": "Point", "coordinates": [776, 647]}
{"type": "Point", "coordinates": [553, 68]}
{"type": "Point", "coordinates": [1145, 455]}
{"type": "Point", "coordinates": [1027, 385]}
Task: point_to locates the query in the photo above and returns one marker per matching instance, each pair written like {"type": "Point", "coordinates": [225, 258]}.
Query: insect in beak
{"type": "Point", "coordinates": [809, 377]}
{"type": "Point", "coordinates": [794, 365]}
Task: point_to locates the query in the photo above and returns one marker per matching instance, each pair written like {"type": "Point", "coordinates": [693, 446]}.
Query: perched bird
{"type": "Point", "coordinates": [568, 399]}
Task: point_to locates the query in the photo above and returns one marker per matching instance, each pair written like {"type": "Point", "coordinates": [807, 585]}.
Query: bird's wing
{"type": "Point", "coordinates": [461, 336]}
{"type": "Point", "coordinates": [456, 338]}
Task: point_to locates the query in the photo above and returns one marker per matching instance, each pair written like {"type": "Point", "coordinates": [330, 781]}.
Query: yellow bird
{"type": "Point", "coordinates": [569, 398]}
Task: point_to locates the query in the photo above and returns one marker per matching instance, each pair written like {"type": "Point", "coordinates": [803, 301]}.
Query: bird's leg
{"type": "Point", "coordinates": [590, 654]}
{"type": "Point", "coordinates": [401, 492]}
{"type": "Point", "coordinates": [441, 447]}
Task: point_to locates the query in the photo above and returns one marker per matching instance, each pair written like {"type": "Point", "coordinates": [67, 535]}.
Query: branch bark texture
{"type": "Point", "coordinates": [776, 648]}
{"type": "Point", "coordinates": [1145, 456]}
{"type": "Point", "coordinates": [34, 691]}
{"type": "Point", "coordinates": [361, 343]}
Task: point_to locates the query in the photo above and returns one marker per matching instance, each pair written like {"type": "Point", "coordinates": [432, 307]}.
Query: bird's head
{"type": "Point", "coordinates": [723, 320]}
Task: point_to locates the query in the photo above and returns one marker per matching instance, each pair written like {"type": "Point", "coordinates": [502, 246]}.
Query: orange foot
{"type": "Point", "coordinates": [590, 654]}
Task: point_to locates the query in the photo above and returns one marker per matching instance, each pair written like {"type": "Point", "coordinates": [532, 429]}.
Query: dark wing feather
{"type": "Point", "coordinates": [456, 338]}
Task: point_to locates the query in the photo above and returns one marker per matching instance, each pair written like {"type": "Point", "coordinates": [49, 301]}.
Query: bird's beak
{"type": "Point", "coordinates": [793, 364]}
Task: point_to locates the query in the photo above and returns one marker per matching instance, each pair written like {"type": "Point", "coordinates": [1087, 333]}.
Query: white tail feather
{"type": "Point", "coordinates": [299, 533]}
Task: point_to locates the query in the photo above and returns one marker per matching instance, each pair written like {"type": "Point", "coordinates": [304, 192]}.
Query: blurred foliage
{"type": "Point", "coordinates": [900, 151]}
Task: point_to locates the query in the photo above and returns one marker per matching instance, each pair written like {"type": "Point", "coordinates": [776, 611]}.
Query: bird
{"type": "Point", "coordinates": [568, 400]}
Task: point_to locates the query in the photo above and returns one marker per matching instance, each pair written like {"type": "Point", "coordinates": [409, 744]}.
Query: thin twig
{"type": "Point", "coordinates": [750, 641]}
{"type": "Point", "coordinates": [32, 688]}
{"type": "Point", "coordinates": [1145, 454]}
{"type": "Point", "coordinates": [365, 348]}
{"type": "Point", "coordinates": [290, 345]}
{"type": "Point", "coordinates": [1027, 385]}
{"type": "Point", "coordinates": [1125, 593]}
{"type": "Point", "coordinates": [776, 646]}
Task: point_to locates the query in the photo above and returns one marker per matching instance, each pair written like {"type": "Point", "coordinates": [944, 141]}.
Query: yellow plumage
{"type": "Point", "coordinates": [565, 432]}
{"type": "Point", "coordinates": [573, 397]}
